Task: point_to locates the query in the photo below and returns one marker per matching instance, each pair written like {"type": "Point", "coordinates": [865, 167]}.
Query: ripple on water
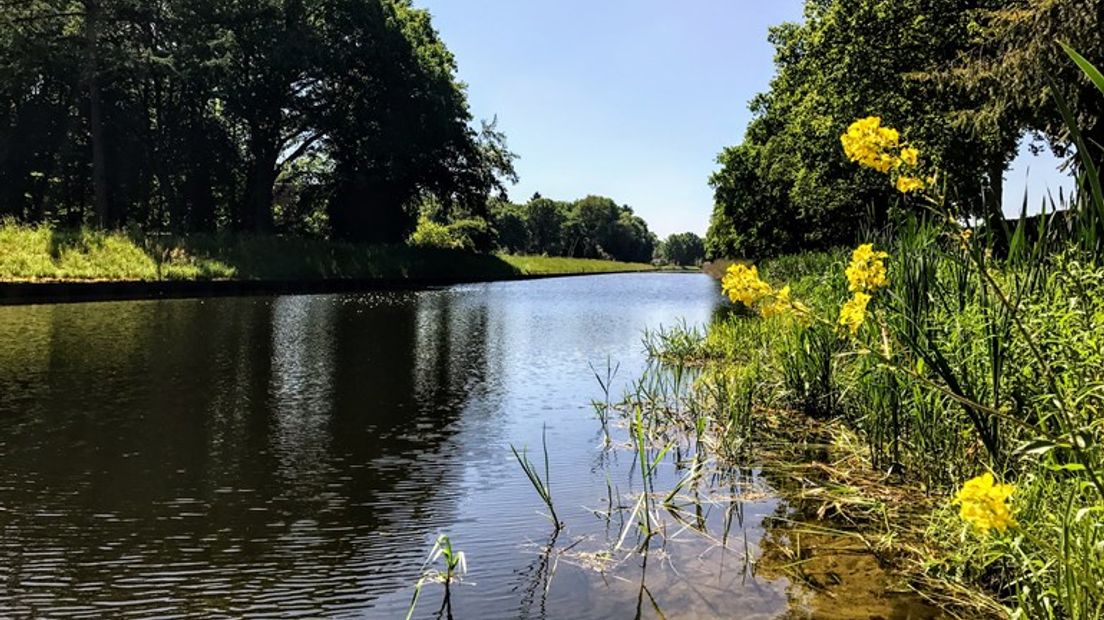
{"type": "Point", "coordinates": [297, 456]}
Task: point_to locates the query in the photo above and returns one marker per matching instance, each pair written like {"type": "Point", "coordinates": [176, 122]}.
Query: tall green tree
{"type": "Point", "coordinates": [851, 59]}
{"type": "Point", "coordinates": [683, 249]}
{"type": "Point", "coordinates": [203, 114]}
{"type": "Point", "coordinates": [1014, 64]}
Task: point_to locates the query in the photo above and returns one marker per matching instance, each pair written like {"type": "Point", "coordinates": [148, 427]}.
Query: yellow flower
{"type": "Point", "coordinates": [779, 304]}
{"type": "Point", "coordinates": [910, 156]}
{"type": "Point", "coordinates": [867, 271]}
{"type": "Point", "coordinates": [853, 313]}
{"type": "Point", "coordinates": [869, 144]}
{"type": "Point", "coordinates": [984, 504]}
{"type": "Point", "coordinates": [742, 285]}
{"type": "Point", "coordinates": [907, 185]}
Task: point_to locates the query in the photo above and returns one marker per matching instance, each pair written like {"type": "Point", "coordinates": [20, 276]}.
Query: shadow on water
{"type": "Point", "coordinates": [155, 448]}
{"type": "Point", "coordinates": [297, 456]}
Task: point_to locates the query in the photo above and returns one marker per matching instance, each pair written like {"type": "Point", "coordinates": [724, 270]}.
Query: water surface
{"type": "Point", "coordinates": [296, 457]}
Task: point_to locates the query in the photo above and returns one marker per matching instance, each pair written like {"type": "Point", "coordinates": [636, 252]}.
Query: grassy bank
{"type": "Point", "coordinates": [45, 254]}
{"type": "Point", "coordinates": [960, 367]}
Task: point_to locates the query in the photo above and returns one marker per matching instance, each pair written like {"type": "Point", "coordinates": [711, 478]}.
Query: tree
{"type": "Point", "coordinates": [545, 221]}
{"type": "Point", "coordinates": [683, 249]}
{"type": "Point", "coordinates": [1015, 63]}
{"type": "Point", "coordinates": [851, 59]}
{"type": "Point", "coordinates": [204, 114]}
{"type": "Point", "coordinates": [749, 212]}
{"type": "Point", "coordinates": [510, 225]}
{"type": "Point", "coordinates": [589, 227]}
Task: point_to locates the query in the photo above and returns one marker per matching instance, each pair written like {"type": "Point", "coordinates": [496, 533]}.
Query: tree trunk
{"type": "Point", "coordinates": [256, 213]}
{"type": "Point", "coordinates": [95, 114]}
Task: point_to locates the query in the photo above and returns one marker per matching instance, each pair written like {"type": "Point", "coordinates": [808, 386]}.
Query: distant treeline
{"type": "Point", "coordinates": [593, 227]}
{"type": "Point", "coordinates": [964, 81]}
{"type": "Point", "coordinates": [329, 117]}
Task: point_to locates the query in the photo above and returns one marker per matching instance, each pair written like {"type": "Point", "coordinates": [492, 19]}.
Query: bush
{"type": "Point", "coordinates": [474, 235]}
{"type": "Point", "coordinates": [431, 234]}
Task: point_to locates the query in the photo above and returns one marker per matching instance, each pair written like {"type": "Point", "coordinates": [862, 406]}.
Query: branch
{"type": "Point", "coordinates": [301, 150]}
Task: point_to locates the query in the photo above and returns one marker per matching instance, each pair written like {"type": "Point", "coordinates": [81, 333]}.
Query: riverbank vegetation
{"type": "Point", "coordinates": [257, 125]}
{"type": "Point", "coordinates": [961, 350]}
{"type": "Point", "coordinates": [966, 83]}
{"type": "Point", "coordinates": [592, 227]}
{"type": "Point", "coordinates": [29, 253]}
{"type": "Point", "coordinates": [682, 249]}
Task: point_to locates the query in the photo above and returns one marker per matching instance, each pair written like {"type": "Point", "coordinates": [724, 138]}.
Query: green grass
{"type": "Point", "coordinates": [961, 368]}
{"type": "Point", "coordinates": [30, 253]}
{"type": "Point", "coordinates": [549, 265]}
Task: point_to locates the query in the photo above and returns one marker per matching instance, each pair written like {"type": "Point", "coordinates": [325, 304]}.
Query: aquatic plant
{"type": "Point", "coordinates": [455, 566]}
{"type": "Point", "coordinates": [541, 485]}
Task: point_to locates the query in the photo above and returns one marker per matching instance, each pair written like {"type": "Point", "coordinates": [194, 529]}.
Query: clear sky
{"type": "Point", "coordinates": [631, 99]}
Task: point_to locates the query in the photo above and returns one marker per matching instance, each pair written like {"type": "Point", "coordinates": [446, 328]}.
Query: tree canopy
{"type": "Point", "coordinates": [336, 116]}
{"type": "Point", "coordinates": [686, 249]}
{"type": "Point", "coordinates": [593, 227]}
{"type": "Point", "coordinates": [934, 68]}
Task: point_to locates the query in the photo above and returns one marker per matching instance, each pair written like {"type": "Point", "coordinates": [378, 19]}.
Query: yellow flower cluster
{"type": "Point", "coordinates": [983, 503]}
{"type": "Point", "coordinates": [869, 144]}
{"type": "Point", "coordinates": [867, 271]}
{"type": "Point", "coordinates": [910, 156]}
{"type": "Point", "coordinates": [742, 285]}
{"type": "Point", "coordinates": [879, 148]}
{"type": "Point", "coordinates": [853, 313]}
{"type": "Point", "coordinates": [908, 185]}
{"type": "Point", "coordinates": [866, 274]}
{"type": "Point", "coordinates": [778, 304]}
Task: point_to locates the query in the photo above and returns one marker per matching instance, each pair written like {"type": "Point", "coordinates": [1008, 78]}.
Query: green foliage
{"type": "Point", "coordinates": [963, 83]}
{"type": "Point", "coordinates": [302, 116]}
{"type": "Point", "coordinates": [682, 249]}
{"type": "Point", "coordinates": [965, 370]}
{"type": "Point", "coordinates": [37, 253]}
{"type": "Point", "coordinates": [594, 227]}
{"type": "Point", "coordinates": [1015, 64]}
{"type": "Point", "coordinates": [510, 223]}
{"type": "Point", "coordinates": [430, 234]}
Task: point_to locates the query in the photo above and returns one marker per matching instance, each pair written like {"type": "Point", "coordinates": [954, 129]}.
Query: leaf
{"type": "Point", "coordinates": [1091, 170]}
{"type": "Point", "coordinates": [1066, 467]}
{"type": "Point", "coordinates": [1038, 447]}
{"type": "Point", "coordinates": [1086, 66]}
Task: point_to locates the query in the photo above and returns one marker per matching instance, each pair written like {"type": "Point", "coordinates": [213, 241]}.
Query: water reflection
{"type": "Point", "coordinates": [237, 454]}
{"type": "Point", "coordinates": [298, 455]}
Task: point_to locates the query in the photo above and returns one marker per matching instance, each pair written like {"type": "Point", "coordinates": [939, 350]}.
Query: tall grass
{"type": "Point", "coordinates": [985, 354]}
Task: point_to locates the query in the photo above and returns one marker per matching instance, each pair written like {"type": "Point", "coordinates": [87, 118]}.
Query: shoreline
{"type": "Point", "coordinates": [26, 293]}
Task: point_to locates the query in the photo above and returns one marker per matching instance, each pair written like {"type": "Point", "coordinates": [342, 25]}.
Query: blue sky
{"type": "Point", "coordinates": [631, 99]}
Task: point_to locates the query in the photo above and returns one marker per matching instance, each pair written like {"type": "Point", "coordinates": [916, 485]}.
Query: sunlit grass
{"type": "Point", "coordinates": [42, 253]}
{"type": "Point", "coordinates": [547, 265]}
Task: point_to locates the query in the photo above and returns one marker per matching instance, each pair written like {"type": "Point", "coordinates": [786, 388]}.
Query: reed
{"type": "Point", "coordinates": [540, 484]}
{"type": "Point", "coordinates": [455, 566]}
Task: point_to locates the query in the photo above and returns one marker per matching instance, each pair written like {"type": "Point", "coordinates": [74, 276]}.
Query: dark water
{"type": "Point", "coordinates": [297, 456]}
